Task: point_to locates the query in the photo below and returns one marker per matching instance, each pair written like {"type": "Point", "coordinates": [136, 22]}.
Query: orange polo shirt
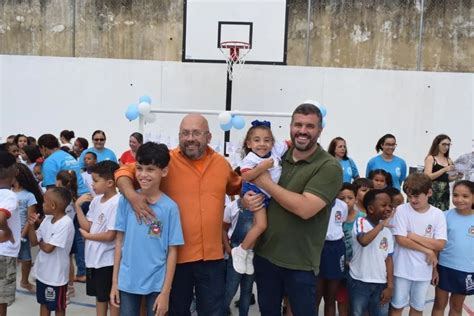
{"type": "Point", "coordinates": [199, 189]}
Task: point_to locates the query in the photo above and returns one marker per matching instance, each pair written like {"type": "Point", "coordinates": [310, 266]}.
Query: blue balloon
{"type": "Point", "coordinates": [238, 122]}
{"type": "Point", "coordinates": [144, 98]}
{"type": "Point", "coordinates": [323, 110]}
{"type": "Point", "coordinates": [226, 127]}
{"type": "Point", "coordinates": [132, 112]}
{"type": "Point", "coordinates": [323, 123]}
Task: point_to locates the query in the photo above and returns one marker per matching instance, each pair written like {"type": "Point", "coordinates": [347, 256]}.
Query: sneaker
{"type": "Point", "coordinates": [249, 263]}
{"type": "Point", "coordinates": [239, 257]}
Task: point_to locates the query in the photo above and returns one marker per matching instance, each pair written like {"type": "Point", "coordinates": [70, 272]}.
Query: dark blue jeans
{"type": "Point", "coordinates": [232, 282]}
{"type": "Point", "coordinates": [130, 303]}
{"type": "Point", "coordinates": [207, 279]}
{"type": "Point", "coordinates": [274, 281]}
{"type": "Point", "coordinates": [365, 298]}
{"type": "Point", "coordinates": [78, 250]}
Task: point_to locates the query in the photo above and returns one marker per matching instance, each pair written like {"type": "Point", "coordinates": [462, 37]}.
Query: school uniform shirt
{"type": "Point", "coordinates": [397, 167]}
{"type": "Point", "coordinates": [338, 217]}
{"type": "Point", "coordinates": [459, 251]}
{"type": "Point", "coordinates": [368, 263]}
{"type": "Point", "coordinates": [408, 263]}
{"type": "Point", "coordinates": [87, 178]}
{"type": "Point", "coordinates": [251, 160]}
{"type": "Point", "coordinates": [100, 254]}
{"type": "Point", "coordinates": [145, 246]}
{"type": "Point", "coordinates": [71, 210]}
{"type": "Point", "coordinates": [349, 170]}
{"type": "Point", "coordinates": [25, 200]}
{"type": "Point", "coordinates": [8, 206]}
{"type": "Point", "coordinates": [103, 154]}
{"type": "Point", "coordinates": [59, 161]}
{"type": "Point", "coordinates": [231, 215]}
{"type": "Point", "coordinates": [53, 268]}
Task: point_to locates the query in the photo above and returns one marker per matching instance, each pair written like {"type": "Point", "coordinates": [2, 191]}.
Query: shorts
{"type": "Point", "coordinates": [7, 279]}
{"type": "Point", "coordinates": [333, 260]}
{"type": "Point", "coordinates": [247, 186]}
{"type": "Point", "coordinates": [99, 282]}
{"type": "Point", "coordinates": [407, 292]}
{"type": "Point", "coordinates": [53, 297]}
{"type": "Point", "coordinates": [25, 251]}
{"type": "Point", "coordinates": [455, 281]}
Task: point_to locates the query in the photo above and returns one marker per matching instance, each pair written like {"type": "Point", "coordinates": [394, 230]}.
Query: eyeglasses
{"type": "Point", "coordinates": [195, 133]}
{"type": "Point", "coordinates": [99, 139]}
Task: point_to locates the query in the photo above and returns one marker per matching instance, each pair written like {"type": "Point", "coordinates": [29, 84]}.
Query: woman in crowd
{"type": "Point", "coordinates": [338, 149]}
{"type": "Point", "coordinates": [135, 141]}
{"type": "Point", "coordinates": [103, 153]}
{"type": "Point", "coordinates": [440, 168]}
{"type": "Point", "coordinates": [387, 161]}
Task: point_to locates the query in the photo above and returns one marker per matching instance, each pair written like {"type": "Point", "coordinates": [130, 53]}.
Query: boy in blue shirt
{"type": "Point", "coordinates": [146, 253]}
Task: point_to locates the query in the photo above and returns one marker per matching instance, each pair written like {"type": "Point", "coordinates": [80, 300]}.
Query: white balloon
{"type": "Point", "coordinates": [150, 118]}
{"type": "Point", "coordinates": [144, 108]}
{"type": "Point", "coordinates": [225, 117]}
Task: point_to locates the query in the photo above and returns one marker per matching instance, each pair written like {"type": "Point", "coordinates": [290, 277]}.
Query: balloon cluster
{"type": "Point", "coordinates": [227, 120]}
{"type": "Point", "coordinates": [321, 108]}
{"type": "Point", "coordinates": [143, 108]}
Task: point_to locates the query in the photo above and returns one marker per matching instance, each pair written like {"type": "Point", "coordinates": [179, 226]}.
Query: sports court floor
{"type": "Point", "coordinates": [83, 305]}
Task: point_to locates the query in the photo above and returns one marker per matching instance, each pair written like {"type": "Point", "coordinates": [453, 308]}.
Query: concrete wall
{"type": "Point", "coordinates": [48, 94]}
{"type": "Point", "coordinates": [352, 34]}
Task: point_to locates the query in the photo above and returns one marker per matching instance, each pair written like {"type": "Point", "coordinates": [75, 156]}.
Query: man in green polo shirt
{"type": "Point", "coordinates": [288, 253]}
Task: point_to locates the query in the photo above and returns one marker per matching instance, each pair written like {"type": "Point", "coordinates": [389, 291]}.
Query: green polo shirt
{"type": "Point", "coordinates": [290, 241]}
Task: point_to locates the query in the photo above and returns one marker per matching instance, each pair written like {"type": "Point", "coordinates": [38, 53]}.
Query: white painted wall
{"type": "Point", "coordinates": [46, 95]}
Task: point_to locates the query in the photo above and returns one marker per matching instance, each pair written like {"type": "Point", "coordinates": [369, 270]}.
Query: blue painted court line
{"type": "Point", "coordinates": [72, 302]}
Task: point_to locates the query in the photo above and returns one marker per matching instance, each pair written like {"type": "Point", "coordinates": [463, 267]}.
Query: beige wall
{"type": "Point", "coordinates": [352, 34]}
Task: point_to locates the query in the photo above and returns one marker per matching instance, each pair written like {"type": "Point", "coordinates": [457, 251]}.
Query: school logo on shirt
{"type": "Point", "coordinates": [49, 294]}
{"type": "Point", "coordinates": [428, 230]}
{"type": "Point", "coordinates": [338, 217]}
{"type": "Point", "coordinates": [155, 228]}
{"type": "Point", "coordinates": [398, 171]}
{"type": "Point", "coordinates": [101, 219]}
{"type": "Point", "coordinates": [384, 244]}
{"type": "Point", "coordinates": [470, 231]}
{"type": "Point", "coordinates": [469, 283]}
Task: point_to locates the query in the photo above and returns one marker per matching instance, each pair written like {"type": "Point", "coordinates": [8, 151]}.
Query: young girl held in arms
{"type": "Point", "coordinates": [261, 154]}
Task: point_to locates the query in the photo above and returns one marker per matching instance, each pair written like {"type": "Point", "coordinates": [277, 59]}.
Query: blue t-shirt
{"type": "Point", "coordinates": [458, 254]}
{"type": "Point", "coordinates": [25, 199]}
{"type": "Point", "coordinates": [397, 168]}
{"type": "Point", "coordinates": [59, 161]}
{"type": "Point", "coordinates": [145, 246]}
{"type": "Point", "coordinates": [349, 170]}
{"type": "Point", "coordinates": [104, 154]}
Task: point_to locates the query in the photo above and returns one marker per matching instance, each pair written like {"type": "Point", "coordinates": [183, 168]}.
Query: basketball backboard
{"type": "Point", "coordinates": [261, 23]}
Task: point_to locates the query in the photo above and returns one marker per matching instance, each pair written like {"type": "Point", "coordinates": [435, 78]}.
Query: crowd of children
{"type": "Point", "coordinates": [380, 254]}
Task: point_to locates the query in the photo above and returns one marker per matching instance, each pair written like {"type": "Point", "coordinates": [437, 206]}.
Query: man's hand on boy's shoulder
{"type": "Point", "coordinates": [140, 206]}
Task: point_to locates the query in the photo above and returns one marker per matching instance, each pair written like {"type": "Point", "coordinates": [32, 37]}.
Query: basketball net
{"type": "Point", "coordinates": [235, 54]}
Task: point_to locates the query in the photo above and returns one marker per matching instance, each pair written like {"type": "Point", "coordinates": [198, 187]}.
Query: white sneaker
{"type": "Point", "coordinates": [239, 257]}
{"type": "Point", "coordinates": [249, 263]}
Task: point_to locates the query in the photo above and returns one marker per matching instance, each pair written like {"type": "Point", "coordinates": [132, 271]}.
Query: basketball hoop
{"type": "Point", "coordinates": [236, 56]}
